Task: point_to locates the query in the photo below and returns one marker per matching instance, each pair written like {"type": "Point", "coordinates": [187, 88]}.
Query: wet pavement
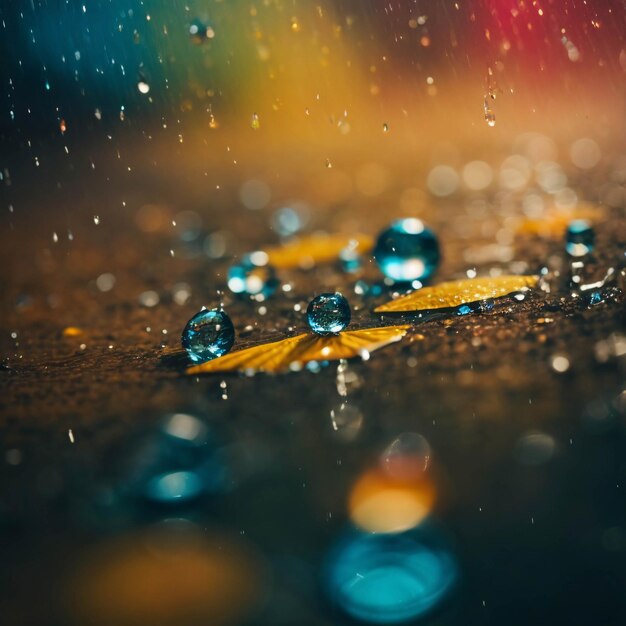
{"type": "Point", "coordinates": [522, 407]}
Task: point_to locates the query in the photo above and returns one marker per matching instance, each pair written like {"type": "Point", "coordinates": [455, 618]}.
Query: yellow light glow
{"type": "Point", "coordinates": [382, 504]}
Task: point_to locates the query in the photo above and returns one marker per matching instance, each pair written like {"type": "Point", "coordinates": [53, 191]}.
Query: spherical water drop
{"type": "Point", "coordinates": [407, 251]}
{"type": "Point", "coordinates": [328, 314]}
{"type": "Point", "coordinates": [207, 335]}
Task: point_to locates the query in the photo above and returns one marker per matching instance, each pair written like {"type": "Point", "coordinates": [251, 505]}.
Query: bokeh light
{"type": "Point", "coordinates": [389, 579]}
{"type": "Point", "coordinates": [382, 503]}
{"type": "Point", "coordinates": [166, 575]}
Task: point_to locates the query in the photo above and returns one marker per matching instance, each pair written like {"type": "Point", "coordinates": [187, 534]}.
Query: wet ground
{"type": "Point", "coordinates": [523, 407]}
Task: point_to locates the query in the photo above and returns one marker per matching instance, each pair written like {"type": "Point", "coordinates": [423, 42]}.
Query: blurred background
{"type": "Point", "coordinates": [470, 475]}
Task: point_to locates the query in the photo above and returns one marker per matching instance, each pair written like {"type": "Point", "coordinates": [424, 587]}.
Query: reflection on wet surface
{"type": "Point", "coordinates": [387, 579]}
{"type": "Point", "coordinates": [431, 482]}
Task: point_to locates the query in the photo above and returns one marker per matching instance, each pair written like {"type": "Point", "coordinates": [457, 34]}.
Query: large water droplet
{"type": "Point", "coordinates": [407, 251]}
{"type": "Point", "coordinates": [207, 335]}
{"type": "Point", "coordinates": [328, 314]}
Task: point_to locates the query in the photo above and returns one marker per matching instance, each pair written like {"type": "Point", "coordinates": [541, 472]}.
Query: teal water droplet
{"type": "Point", "coordinates": [207, 335]}
{"type": "Point", "coordinates": [407, 251]}
{"type": "Point", "coordinates": [328, 314]}
{"type": "Point", "coordinates": [579, 238]}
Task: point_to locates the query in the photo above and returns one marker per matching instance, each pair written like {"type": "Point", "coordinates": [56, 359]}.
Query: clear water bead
{"type": "Point", "coordinates": [407, 251]}
{"type": "Point", "coordinates": [207, 335]}
{"type": "Point", "coordinates": [253, 276]}
{"type": "Point", "coordinates": [579, 238]}
{"type": "Point", "coordinates": [328, 314]}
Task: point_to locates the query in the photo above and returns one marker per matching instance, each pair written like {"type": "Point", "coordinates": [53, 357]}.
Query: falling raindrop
{"type": "Point", "coordinates": [490, 116]}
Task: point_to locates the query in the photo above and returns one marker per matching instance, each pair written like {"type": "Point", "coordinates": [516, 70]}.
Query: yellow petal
{"type": "Point", "coordinates": [308, 251]}
{"type": "Point", "coordinates": [554, 222]}
{"type": "Point", "coordinates": [279, 355]}
{"type": "Point", "coordinates": [458, 292]}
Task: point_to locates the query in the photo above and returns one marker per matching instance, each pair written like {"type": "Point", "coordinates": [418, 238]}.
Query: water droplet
{"type": "Point", "coordinates": [253, 276]}
{"type": "Point", "coordinates": [143, 86]}
{"type": "Point", "coordinates": [255, 122]}
{"type": "Point", "coordinates": [490, 116]}
{"type": "Point", "coordinates": [407, 251]}
{"type": "Point", "coordinates": [328, 314]}
{"type": "Point", "coordinates": [385, 127]}
{"type": "Point", "coordinates": [595, 298]}
{"type": "Point", "coordinates": [207, 335]}
{"type": "Point", "coordinates": [96, 220]}
{"type": "Point", "coordinates": [579, 238]}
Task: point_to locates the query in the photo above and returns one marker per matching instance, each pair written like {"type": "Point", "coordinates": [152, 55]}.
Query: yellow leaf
{"type": "Point", "coordinates": [309, 251]}
{"type": "Point", "coordinates": [554, 222]}
{"type": "Point", "coordinates": [279, 355]}
{"type": "Point", "coordinates": [458, 292]}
